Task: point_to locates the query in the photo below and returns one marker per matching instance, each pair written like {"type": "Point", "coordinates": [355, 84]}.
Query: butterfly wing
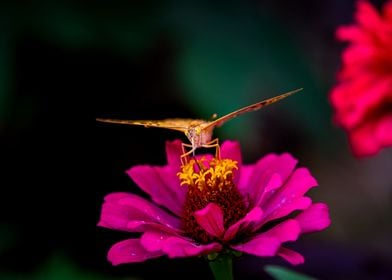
{"type": "Point", "coordinates": [250, 108]}
{"type": "Point", "coordinates": [173, 124]}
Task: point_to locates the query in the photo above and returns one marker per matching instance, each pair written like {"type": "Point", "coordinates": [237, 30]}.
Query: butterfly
{"type": "Point", "coordinates": [199, 132]}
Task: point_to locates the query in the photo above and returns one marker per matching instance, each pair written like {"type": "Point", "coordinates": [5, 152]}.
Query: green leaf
{"type": "Point", "coordinates": [282, 273]}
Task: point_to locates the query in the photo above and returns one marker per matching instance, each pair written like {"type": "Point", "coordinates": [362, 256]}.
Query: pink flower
{"type": "Point", "coordinates": [363, 97]}
{"type": "Point", "coordinates": [213, 206]}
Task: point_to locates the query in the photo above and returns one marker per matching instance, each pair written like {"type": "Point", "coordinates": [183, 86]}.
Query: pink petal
{"type": "Point", "coordinates": [246, 172]}
{"type": "Point", "coordinates": [383, 131]}
{"type": "Point", "coordinates": [299, 203]}
{"type": "Point", "coordinates": [259, 246]}
{"type": "Point", "coordinates": [315, 218]}
{"type": "Point", "coordinates": [173, 153]}
{"type": "Point", "coordinates": [162, 184]}
{"type": "Point", "coordinates": [387, 11]}
{"type": "Point", "coordinates": [130, 251]}
{"type": "Point", "coordinates": [154, 240]}
{"type": "Point", "coordinates": [367, 16]}
{"type": "Point", "coordinates": [119, 209]}
{"type": "Point", "coordinates": [175, 246]}
{"type": "Point", "coordinates": [350, 33]}
{"type": "Point", "coordinates": [254, 216]}
{"type": "Point", "coordinates": [142, 226]}
{"type": "Point", "coordinates": [268, 243]}
{"type": "Point", "coordinates": [362, 140]}
{"type": "Point", "coordinates": [291, 256]}
{"type": "Point", "coordinates": [232, 150]}
{"type": "Point", "coordinates": [272, 167]}
{"type": "Point", "coordinates": [374, 93]}
{"type": "Point", "coordinates": [289, 230]}
{"type": "Point", "coordinates": [297, 185]}
{"type": "Point", "coordinates": [210, 218]}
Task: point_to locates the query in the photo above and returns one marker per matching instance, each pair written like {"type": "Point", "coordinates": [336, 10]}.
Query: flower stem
{"type": "Point", "coordinates": [222, 267]}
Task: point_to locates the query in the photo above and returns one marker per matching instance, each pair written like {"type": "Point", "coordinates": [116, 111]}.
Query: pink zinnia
{"type": "Point", "coordinates": [363, 97]}
{"type": "Point", "coordinates": [214, 206]}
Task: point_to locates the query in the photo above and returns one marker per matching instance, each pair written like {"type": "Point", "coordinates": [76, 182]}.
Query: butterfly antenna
{"type": "Point", "coordinates": [214, 116]}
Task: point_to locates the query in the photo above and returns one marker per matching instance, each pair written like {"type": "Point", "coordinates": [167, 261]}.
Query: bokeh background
{"type": "Point", "coordinates": [64, 63]}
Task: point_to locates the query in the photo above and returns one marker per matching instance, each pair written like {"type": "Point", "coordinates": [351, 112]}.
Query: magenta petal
{"type": "Point", "coordinates": [291, 256]}
{"type": "Point", "coordinates": [299, 203]}
{"type": "Point", "coordinates": [161, 184]}
{"type": "Point", "coordinates": [130, 251]}
{"type": "Point", "coordinates": [175, 246]}
{"type": "Point", "coordinates": [297, 185]}
{"type": "Point", "coordinates": [142, 226]}
{"type": "Point", "coordinates": [315, 218]}
{"type": "Point", "coordinates": [119, 209]}
{"type": "Point", "coordinates": [259, 246]}
{"type": "Point", "coordinates": [210, 218]}
{"type": "Point", "coordinates": [288, 230]}
{"type": "Point", "coordinates": [267, 243]}
{"type": "Point", "coordinates": [384, 130]}
{"type": "Point", "coordinates": [246, 172]}
{"type": "Point", "coordinates": [154, 240]}
{"type": "Point", "coordinates": [173, 153]}
{"type": "Point", "coordinates": [254, 216]}
{"type": "Point", "coordinates": [232, 150]}
{"type": "Point", "coordinates": [271, 167]}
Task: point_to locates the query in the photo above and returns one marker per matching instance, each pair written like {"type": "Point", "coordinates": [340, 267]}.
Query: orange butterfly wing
{"type": "Point", "coordinates": [173, 124]}
{"type": "Point", "coordinates": [250, 108]}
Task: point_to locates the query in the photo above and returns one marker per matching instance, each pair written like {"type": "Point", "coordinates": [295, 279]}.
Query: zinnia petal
{"type": "Point", "coordinates": [299, 203]}
{"type": "Point", "coordinates": [259, 246]}
{"type": "Point", "coordinates": [291, 256]}
{"type": "Point", "coordinates": [268, 243]}
{"type": "Point", "coordinates": [254, 216]}
{"type": "Point", "coordinates": [158, 183]}
{"type": "Point", "coordinates": [119, 209]}
{"type": "Point", "coordinates": [297, 185]}
{"type": "Point", "coordinates": [175, 246]}
{"type": "Point", "coordinates": [362, 97]}
{"type": "Point", "coordinates": [173, 153]}
{"type": "Point", "coordinates": [275, 167]}
{"type": "Point", "coordinates": [245, 173]}
{"type": "Point", "coordinates": [210, 218]}
{"type": "Point", "coordinates": [383, 130]}
{"type": "Point", "coordinates": [231, 150]}
{"type": "Point", "coordinates": [315, 218]}
{"type": "Point", "coordinates": [130, 251]}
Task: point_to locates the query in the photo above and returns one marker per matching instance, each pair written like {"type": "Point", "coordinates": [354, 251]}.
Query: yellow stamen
{"type": "Point", "coordinates": [213, 173]}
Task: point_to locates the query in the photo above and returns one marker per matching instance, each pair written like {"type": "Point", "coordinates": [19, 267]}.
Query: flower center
{"type": "Point", "coordinates": [210, 181]}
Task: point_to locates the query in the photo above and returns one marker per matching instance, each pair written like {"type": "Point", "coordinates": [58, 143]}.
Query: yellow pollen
{"type": "Point", "coordinates": [215, 173]}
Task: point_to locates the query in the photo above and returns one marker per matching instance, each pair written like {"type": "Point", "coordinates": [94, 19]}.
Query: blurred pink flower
{"type": "Point", "coordinates": [214, 205]}
{"type": "Point", "coordinates": [363, 97]}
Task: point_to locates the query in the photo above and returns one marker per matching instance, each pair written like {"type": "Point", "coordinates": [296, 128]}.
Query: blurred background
{"type": "Point", "coordinates": [64, 63]}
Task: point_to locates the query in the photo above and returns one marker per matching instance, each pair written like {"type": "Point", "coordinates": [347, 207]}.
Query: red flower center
{"type": "Point", "coordinates": [210, 181]}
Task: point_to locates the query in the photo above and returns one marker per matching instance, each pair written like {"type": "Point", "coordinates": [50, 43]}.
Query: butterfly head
{"type": "Point", "coordinates": [198, 135]}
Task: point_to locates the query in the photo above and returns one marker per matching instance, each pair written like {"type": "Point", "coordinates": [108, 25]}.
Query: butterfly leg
{"type": "Point", "coordinates": [185, 154]}
{"type": "Point", "coordinates": [214, 144]}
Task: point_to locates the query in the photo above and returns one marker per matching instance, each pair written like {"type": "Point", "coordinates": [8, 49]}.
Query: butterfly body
{"type": "Point", "coordinates": [199, 132]}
